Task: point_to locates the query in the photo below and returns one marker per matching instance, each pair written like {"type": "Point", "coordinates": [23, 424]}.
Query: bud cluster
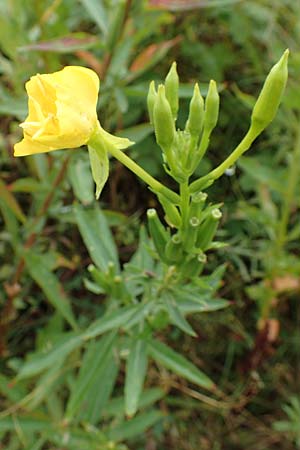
{"type": "Point", "coordinates": [186, 247]}
{"type": "Point", "coordinates": [192, 224]}
{"type": "Point", "coordinates": [182, 150]}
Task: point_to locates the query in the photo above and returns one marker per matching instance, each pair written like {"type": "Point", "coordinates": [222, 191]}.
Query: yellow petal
{"type": "Point", "coordinates": [29, 147]}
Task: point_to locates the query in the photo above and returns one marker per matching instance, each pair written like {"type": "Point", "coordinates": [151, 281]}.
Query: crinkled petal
{"type": "Point", "coordinates": [29, 147]}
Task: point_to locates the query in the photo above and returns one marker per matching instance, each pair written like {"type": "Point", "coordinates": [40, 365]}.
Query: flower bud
{"type": "Point", "coordinates": [191, 235]}
{"type": "Point", "coordinates": [158, 233]}
{"type": "Point", "coordinates": [269, 99]}
{"type": "Point", "coordinates": [208, 229]}
{"type": "Point", "coordinates": [172, 86]}
{"type": "Point", "coordinates": [212, 102]}
{"type": "Point", "coordinates": [163, 120]}
{"type": "Point", "coordinates": [194, 266]}
{"type": "Point", "coordinates": [100, 278]}
{"type": "Point", "coordinates": [151, 97]}
{"type": "Point", "coordinates": [174, 250]}
{"type": "Point", "coordinates": [197, 203]}
{"type": "Point", "coordinates": [196, 115]}
{"type": "Point", "coordinates": [172, 214]}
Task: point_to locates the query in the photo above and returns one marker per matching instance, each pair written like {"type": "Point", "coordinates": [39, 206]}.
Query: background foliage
{"type": "Point", "coordinates": [61, 388]}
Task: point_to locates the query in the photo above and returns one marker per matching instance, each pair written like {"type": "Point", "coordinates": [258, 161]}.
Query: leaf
{"type": "Point", "coordinates": [12, 106]}
{"type": "Point", "coordinates": [190, 306]}
{"type": "Point", "coordinates": [94, 362]}
{"type": "Point", "coordinates": [26, 424]}
{"type": "Point", "coordinates": [97, 236]}
{"type": "Point", "coordinates": [26, 185]}
{"type": "Point", "coordinates": [109, 321]}
{"type": "Point", "coordinates": [275, 180]}
{"type": "Point", "coordinates": [178, 319]}
{"type": "Point", "coordinates": [99, 393]}
{"type": "Point", "coordinates": [49, 285]}
{"type": "Point", "coordinates": [64, 44]}
{"type": "Point", "coordinates": [11, 203]}
{"type": "Point", "coordinates": [178, 364]}
{"type": "Point", "coordinates": [100, 167]}
{"type": "Point", "coordinates": [151, 55]}
{"type": "Point", "coordinates": [43, 360]}
{"type": "Point", "coordinates": [80, 176]}
{"type": "Point", "coordinates": [97, 12]}
{"type": "Point", "coordinates": [137, 133]}
{"type": "Point", "coordinates": [116, 406]}
{"type": "Point", "coordinates": [135, 375]}
{"type": "Point", "coordinates": [134, 427]}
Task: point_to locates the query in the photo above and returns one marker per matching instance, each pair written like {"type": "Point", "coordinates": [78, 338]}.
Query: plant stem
{"type": "Point", "coordinates": [243, 146]}
{"type": "Point", "coordinates": [184, 203]}
{"type": "Point", "coordinates": [145, 176]}
{"type": "Point", "coordinates": [294, 167]}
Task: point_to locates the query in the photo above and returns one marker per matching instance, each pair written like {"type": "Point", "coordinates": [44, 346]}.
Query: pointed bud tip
{"type": "Point", "coordinates": [152, 85]}
{"type": "Point", "coordinates": [284, 58]}
{"type": "Point", "coordinates": [161, 89]}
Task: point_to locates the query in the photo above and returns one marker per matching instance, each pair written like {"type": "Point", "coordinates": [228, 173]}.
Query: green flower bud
{"type": "Point", "coordinates": [197, 203]}
{"type": "Point", "coordinates": [172, 86]}
{"type": "Point", "coordinates": [100, 278]}
{"type": "Point", "coordinates": [212, 103]}
{"type": "Point", "coordinates": [163, 120]}
{"type": "Point", "coordinates": [193, 266]}
{"type": "Point", "coordinates": [191, 234]}
{"type": "Point", "coordinates": [158, 233]}
{"type": "Point", "coordinates": [208, 229]}
{"type": "Point", "coordinates": [196, 115]}
{"type": "Point", "coordinates": [174, 250]}
{"type": "Point", "coordinates": [172, 214]}
{"type": "Point", "coordinates": [269, 99]}
{"type": "Point", "coordinates": [151, 97]}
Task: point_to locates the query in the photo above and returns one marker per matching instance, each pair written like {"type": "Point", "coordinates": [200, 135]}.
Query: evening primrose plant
{"type": "Point", "coordinates": [161, 284]}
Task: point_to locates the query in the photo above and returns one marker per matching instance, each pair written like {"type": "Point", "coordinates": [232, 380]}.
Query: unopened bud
{"type": "Point", "coordinates": [212, 103]}
{"type": "Point", "coordinates": [151, 97]}
{"type": "Point", "coordinates": [159, 234]}
{"type": "Point", "coordinates": [196, 115]}
{"type": "Point", "coordinates": [197, 203]}
{"type": "Point", "coordinates": [172, 214]}
{"type": "Point", "coordinates": [174, 250]}
{"type": "Point", "coordinates": [172, 86]}
{"type": "Point", "coordinates": [269, 99]}
{"type": "Point", "coordinates": [208, 229]}
{"type": "Point", "coordinates": [163, 120]}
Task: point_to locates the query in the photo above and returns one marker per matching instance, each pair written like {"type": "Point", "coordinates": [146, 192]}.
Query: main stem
{"type": "Point", "coordinates": [243, 146]}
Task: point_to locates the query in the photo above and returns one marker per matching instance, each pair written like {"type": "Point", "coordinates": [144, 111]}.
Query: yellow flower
{"type": "Point", "coordinates": [62, 111]}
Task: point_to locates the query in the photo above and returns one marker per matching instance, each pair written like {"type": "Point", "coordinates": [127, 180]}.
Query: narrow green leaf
{"type": "Point", "coordinates": [98, 395]}
{"type": "Point", "coordinates": [134, 427]}
{"type": "Point", "coordinates": [97, 12]}
{"type": "Point", "coordinates": [93, 365]}
{"type": "Point", "coordinates": [190, 306]}
{"type": "Point", "coordinates": [26, 424]}
{"type": "Point", "coordinates": [49, 285]}
{"type": "Point", "coordinates": [177, 363]}
{"type": "Point", "coordinates": [11, 202]}
{"type": "Point", "coordinates": [178, 319]}
{"type": "Point", "coordinates": [43, 360]}
{"type": "Point", "coordinates": [97, 236]}
{"type": "Point", "coordinates": [110, 321]}
{"type": "Point", "coordinates": [135, 375]}
{"type": "Point", "coordinates": [79, 173]}
{"type": "Point", "coordinates": [100, 167]}
{"type": "Point", "coordinates": [116, 406]}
